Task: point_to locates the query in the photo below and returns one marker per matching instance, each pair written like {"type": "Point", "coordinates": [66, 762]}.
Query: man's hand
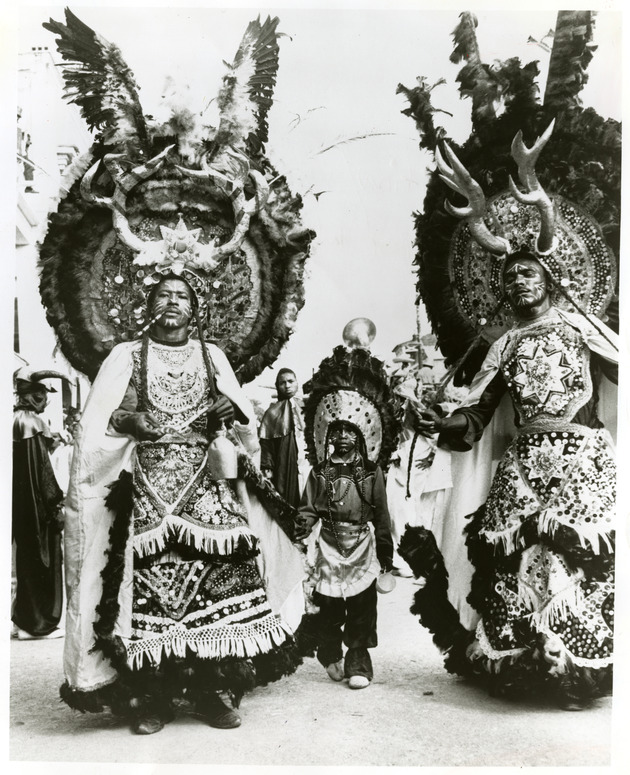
{"type": "Point", "coordinates": [221, 411]}
{"type": "Point", "coordinates": [430, 422]}
{"type": "Point", "coordinates": [143, 425]}
{"type": "Point", "coordinates": [59, 519]}
{"type": "Point", "coordinates": [427, 422]}
{"type": "Point", "coordinates": [425, 462]}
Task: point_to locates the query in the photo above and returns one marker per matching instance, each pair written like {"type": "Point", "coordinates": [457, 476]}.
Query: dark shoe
{"type": "Point", "coordinates": [217, 714]}
{"type": "Point", "coordinates": [573, 703]}
{"type": "Point", "coordinates": [146, 725]}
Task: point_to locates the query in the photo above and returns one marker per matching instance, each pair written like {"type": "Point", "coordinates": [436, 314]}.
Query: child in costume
{"type": "Point", "coordinates": [349, 407]}
{"type": "Point", "coordinates": [347, 493]}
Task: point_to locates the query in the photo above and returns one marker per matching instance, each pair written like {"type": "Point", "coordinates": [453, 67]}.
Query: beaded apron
{"type": "Point", "coordinates": [196, 583]}
{"type": "Point", "coordinates": [556, 479]}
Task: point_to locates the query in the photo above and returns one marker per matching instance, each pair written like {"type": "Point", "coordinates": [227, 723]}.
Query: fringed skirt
{"type": "Point", "coordinates": [542, 548]}
{"type": "Point", "coordinates": [200, 617]}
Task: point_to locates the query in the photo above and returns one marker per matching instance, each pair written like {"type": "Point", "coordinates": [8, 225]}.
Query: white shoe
{"type": "Point", "coordinates": [358, 682]}
{"type": "Point", "coordinates": [335, 671]}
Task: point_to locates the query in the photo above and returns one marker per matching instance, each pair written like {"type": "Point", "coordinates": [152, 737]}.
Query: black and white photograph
{"type": "Point", "coordinates": [317, 388]}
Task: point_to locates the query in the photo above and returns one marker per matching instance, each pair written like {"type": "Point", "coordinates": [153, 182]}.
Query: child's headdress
{"type": "Point", "coordinates": [351, 386]}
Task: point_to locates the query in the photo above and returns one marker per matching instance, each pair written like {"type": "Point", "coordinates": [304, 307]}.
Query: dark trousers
{"type": "Point", "coordinates": [351, 621]}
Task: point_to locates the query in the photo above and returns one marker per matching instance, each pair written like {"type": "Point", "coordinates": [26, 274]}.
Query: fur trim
{"type": "Point", "coordinates": [419, 549]}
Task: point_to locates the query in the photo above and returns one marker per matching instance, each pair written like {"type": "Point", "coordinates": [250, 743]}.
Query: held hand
{"type": "Point", "coordinates": [221, 411]}
{"type": "Point", "coordinates": [143, 426]}
{"type": "Point", "coordinates": [303, 527]}
{"type": "Point", "coordinates": [428, 422]}
{"type": "Point", "coordinates": [147, 427]}
{"type": "Point", "coordinates": [59, 520]}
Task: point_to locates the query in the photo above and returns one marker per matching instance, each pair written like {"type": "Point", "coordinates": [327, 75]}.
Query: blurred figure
{"type": "Point", "coordinates": [37, 516]}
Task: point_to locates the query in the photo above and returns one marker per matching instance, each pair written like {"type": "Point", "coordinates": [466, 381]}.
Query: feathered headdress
{"type": "Point", "coordinates": [351, 386]}
{"type": "Point", "coordinates": [565, 207]}
{"type": "Point", "coordinates": [179, 197]}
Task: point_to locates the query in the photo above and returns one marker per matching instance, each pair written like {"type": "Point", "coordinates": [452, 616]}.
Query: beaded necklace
{"type": "Point", "coordinates": [359, 483]}
{"type": "Point", "coordinates": [143, 402]}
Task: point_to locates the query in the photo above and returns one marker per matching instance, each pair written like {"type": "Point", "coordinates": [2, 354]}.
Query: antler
{"type": "Point", "coordinates": [459, 179]}
{"type": "Point", "coordinates": [534, 193]}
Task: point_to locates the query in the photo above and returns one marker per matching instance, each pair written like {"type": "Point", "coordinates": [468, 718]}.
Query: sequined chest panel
{"type": "Point", "coordinates": [176, 382]}
{"type": "Point", "coordinates": [546, 370]}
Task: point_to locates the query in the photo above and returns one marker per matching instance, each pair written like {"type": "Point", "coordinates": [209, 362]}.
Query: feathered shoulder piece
{"type": "Point", "coordinates": [543, 175]}
{"type": "Point", "coordinates": [173, 196]}
{"type": "Point", "coordinates": [351, 385]}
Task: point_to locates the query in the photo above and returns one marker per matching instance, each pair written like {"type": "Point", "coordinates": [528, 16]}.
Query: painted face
{"type": "Point", "coordinates": [525, 284]}
{"type": "Point", "coordinates": [343, 439]}
{"type": "Point", "coordinates": [173, 304]}
{"type": "Point", "coordinates": [286, 385]}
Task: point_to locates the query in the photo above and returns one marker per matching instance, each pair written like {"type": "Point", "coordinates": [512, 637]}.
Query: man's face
{"type": "Point", "coordinates": [525, 284]}
{"type": "Point", "coordinates": [344, 440]}
{"type": "Point", "coordinates": [287, 385]}
{"type": "Point", "coordinates": [39, 399]}
{"type": "Point", "coordinates": [172, 304]}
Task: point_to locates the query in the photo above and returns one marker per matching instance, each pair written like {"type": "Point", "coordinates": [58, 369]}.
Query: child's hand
{"type": "Point", "coordinates": [303, 527]}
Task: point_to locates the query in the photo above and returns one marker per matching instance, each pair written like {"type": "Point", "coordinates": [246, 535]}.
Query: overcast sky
{"type": "Point", "coordinates": [338, 74]}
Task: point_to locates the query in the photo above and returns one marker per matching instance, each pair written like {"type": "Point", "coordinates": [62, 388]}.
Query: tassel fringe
{"type": "Point", "coordinates": [221, 541]}
{"type": "Point", "coordinates": [241, 641]}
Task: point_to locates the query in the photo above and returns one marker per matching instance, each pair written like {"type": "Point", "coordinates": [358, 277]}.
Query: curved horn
{"type": "Point", "coordinates": [86, 186]}
{"type": "Point", "coordinates": [534, 193]}
{"type": "Point", "coordinates": [124, 182]}
{"type": "Point", "coordinates": [459, 179]}
{"type": "Point", "coordinates": [119, 220]}
{"type": "Point", "coordinates": [262, 188]}
{"type": "Point", "coordinates": [206, 173]}
{"type": "Point", "coordinates": [127, 180]}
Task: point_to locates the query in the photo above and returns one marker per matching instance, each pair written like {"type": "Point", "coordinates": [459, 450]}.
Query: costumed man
{"type": "Point", "coordinates": [281, 434]}
{"type": "Point", "coordinates": [515, 280]}
{"type": "Point", "coordinates": [542, 543]}
{"type": "Point", "coordinates": [37, 514]}
{"type": "Point", "coordinates": [166, 601]}
{"type": "Point", "coordinates": [348, 406]}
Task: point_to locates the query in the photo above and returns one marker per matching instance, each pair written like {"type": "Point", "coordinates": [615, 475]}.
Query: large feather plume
{"type": "Point", "coordinates": [247, 91]}
{"type": "Point", "coordinates": [100, 82]}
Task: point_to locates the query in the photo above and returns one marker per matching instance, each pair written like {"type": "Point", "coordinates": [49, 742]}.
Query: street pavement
{"type": "Point", "coordinates": [414, 714]}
